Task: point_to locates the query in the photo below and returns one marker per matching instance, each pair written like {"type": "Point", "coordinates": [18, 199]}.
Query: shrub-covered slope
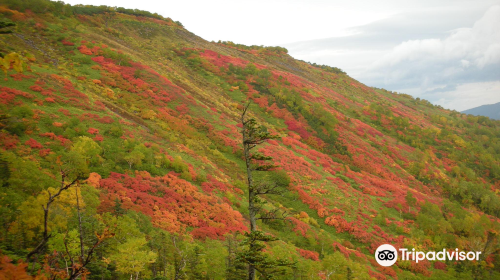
{"type": "Point", "coordinates": [135, 123]}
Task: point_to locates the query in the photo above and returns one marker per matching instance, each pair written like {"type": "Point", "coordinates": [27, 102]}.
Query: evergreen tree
{"type": "Point", "coordinates": [253, 135]}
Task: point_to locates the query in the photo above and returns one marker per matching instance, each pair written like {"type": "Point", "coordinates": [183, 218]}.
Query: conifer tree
{"type": "Point", "coordinates": [253, 135]}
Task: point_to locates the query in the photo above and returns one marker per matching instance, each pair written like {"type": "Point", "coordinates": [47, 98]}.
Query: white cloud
{"type": "Point", "coordinates": [469, 96]}
{"type": "Point", "coordinates": [427, 49]}
{"type": "Point", "coordinates": [438, 60]}
{"type": "Point", "coordinates": [460, 97]}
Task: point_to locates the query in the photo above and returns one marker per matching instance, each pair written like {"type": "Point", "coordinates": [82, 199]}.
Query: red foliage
{"type": "Point", "coordinates": [20, 76]}
{"type": "Point", "coordinates": [99, 106]}
{"type": "Point", "coordinates": [299, 226]}
{"type": "Point", "coordinates": [84, 50]}
{"type": "Point", "coordinates": [183, 109]}
{"type": "Point", "coordinates": [8, 141]}
{"type": "Point", "coordinates": [341, 248]}
{"type": "Point", "coordinates": [174, 204]}
{"type": "Point", "coordinates": [104, 119]}
{"type": "Point", "coordinates": [421, 267]}
{"type": "Point", "coordinates": [311, 255]}
{"type": "Point", "coordinates": [376, 275]}
{"type": "Point", "coordinates": [44, 152]}
{"type": "Point", "coordinates": [313, 204]}
{"type": "Point", "coordinates": [220, 60]}
{"type": "Point", "coordinates": [213, 184]}
{"type": "Point", "coordinates": [290, 162]}
{"type": "Point", "coordinates": [440, 265]}
{"type": "Point", "coordinates": [33, 144]}
{"type": "Point", "coordinates": [388, 271]}
{"type": "Point", "coordinates": [64, 111]}
{"type": "Point", "coordinates": [10, 271]}
{"type": "Point", "coordinates": [339, 223]}
{"type": "Point", "coordinates": [60, 138]}
{"type": "Point", "coordinates": [298, 127]}
{"type": "Point", "coordinates": [9, 94]}
{"type": "Point", "coordinates": [67, 43]}
{"type": "Point", "coordinates": [151, 86]}
{"type": "Point", "coordinates": [93, 131]}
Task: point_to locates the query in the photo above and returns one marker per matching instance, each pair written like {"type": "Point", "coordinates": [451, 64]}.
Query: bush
{"type": "Point", "coordinates": [82, 59]}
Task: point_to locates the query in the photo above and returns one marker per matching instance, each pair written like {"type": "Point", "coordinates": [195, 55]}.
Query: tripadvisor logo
{"type": "Point", "coordinates": [387, 255]}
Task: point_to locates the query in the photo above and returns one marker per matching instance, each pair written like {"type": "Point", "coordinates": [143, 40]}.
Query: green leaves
{"type": "Point", "coordinates": [253, 255]}
{"type": "Point", "coordinates": [5, 24]}
{"type": "Point", "coordinates": [132, 256]}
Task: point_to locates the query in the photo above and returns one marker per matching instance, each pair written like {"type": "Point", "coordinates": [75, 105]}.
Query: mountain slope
{"type": "Point", "coordinates": [491, 111]}
{"type": "Point", "coordinates": [147, 116]}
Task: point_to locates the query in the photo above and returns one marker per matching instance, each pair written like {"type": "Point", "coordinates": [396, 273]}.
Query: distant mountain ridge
{"type": "Point", "coordinates": [490, 110]}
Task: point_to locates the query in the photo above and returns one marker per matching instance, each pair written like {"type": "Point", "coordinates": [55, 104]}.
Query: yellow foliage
{"type": "Point", "coordinates": [12, 60]}
{"type": "Point", "coordinates": [31, 216]}
{"type": "Point", "coordinates": [148, 114]}
{"type": "Point", "coordinates": [459, 141]}
{"type": "Point", "coordinates": [109, 93]}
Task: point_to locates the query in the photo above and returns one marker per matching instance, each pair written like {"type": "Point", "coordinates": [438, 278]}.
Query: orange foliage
{"type": "Point", "coordinates": [10, 271]}
{"type": "Point", "coordinates": [173, 203]}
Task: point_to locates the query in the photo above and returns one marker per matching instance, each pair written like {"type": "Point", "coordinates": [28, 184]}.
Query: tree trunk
{"type": "Point", "coordinates": [251, 194]}
{"type": "Point", "coordinates": [82, 251]}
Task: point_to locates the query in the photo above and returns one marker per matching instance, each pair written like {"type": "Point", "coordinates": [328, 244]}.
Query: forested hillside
{"type": "Point", "coordinates": [121, 157]}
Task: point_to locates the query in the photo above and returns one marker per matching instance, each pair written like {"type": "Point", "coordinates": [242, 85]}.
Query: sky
{"type": "Point", "coordinates": [445, 51]}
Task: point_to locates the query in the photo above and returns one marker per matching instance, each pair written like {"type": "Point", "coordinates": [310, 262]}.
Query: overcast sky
{"type": "Point", "coordinates": [445, 51]}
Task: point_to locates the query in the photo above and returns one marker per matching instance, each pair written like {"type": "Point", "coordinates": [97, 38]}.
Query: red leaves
{"type": "Point", "coordinates": [287, 160]}
{"type": "Point", "coordinates": [440, 265]}
{"type": "Point", "coordinates": [421, 267]}
{"type": "Point", "coordinates": [10, 271]}
{"type": "Point", "coordinates": [64, 111]}
{"type": "Point", "coordinates": [205, 232]}
{"type": "Point", "coordinates": [146, 83]}
{"type": "Point", "coordinates": [220, 60]}
{"type": "Point", "coordinates": [166, 220]}
{"type": "Point", "coordinates": [174, 204]}
{"type": "Point", "coordinates": [9, 94]}
{"type": "Point", "coordinates": [341, 248]}
{"type": "Point", "coordinates": [8, 141]}
{"type": "Point", "coordinates": [213, 184]}
{"type": "Point", "coordinates": [93, 131]}
{"type": "Point", "coordinates": [104, 119]}
{"type": "Point", "coordinates": [299, 226]}
{"type": "Point", "coordinates": [67, 43]}
{"type": "Point", "coordinates": [183, 109]}
{"type": "Point", "coordinates": [44, 152]}
{"type": "Point", "coordinates": [84, 50]}
{"type": "Point", "coordinates": [52, 136]}
{"type": "Point", "coordinates": [311, 255]}
{"type": "Point", "coordinates": [33, 144]}
{"type": "Point", "coordinates": [36, 88]}
{"type": "Point", "coordinates": [298, 127]}
{"type": "Point", "coordinates": [339, 223]}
